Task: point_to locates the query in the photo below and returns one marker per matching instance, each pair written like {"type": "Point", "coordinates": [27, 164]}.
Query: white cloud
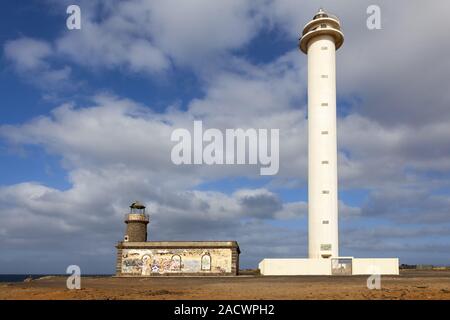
{"type": "Point", "coordinates": [27, 53]}
{"type": "Point", "coordinates": [192, 32]}
{"type": "Point", "coordinates": [30, 59]}
{"type": "Point", "coordinates": [110, 46]}
{"type": "Point", "coordinates": [146, 36]}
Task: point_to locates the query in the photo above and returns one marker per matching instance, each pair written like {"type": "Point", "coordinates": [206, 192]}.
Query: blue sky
{"type": "Point", "coordinates": [86, 117]}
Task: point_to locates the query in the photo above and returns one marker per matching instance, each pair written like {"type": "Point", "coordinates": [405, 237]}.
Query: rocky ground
{"type": "Point", "coordinates": [408, 285]}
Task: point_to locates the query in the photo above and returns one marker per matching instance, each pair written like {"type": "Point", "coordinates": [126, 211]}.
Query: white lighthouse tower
{"type": "Point", "coordinates": [321, 38]}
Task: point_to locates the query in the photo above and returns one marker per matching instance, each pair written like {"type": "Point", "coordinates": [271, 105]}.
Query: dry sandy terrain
{"type": "Point", "coordinates": [408, 285]}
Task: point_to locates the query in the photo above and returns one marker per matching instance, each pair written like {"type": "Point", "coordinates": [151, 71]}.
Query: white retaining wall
{"type": "Point", "coordinates": [360, 266]}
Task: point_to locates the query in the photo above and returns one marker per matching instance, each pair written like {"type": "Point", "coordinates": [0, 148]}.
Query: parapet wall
{"type": "Point", "coordinates": [292, 267]}
{"type": "Point", "coordinates": [367, 266]}
{"type": "Point", "coordinates": [337, 266]}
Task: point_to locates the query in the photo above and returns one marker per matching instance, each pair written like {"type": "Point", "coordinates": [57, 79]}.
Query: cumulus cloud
{"type": "Point", "coordinates": [30, 59]}
{"type": "Point", "coordinates": [116, 150]}
{"type": "Point", "coordinates": [109, 46]}
{"type": "Point", "coordinates": [149, 36]}
{"type": "Point", "coordinates": [28, 53]}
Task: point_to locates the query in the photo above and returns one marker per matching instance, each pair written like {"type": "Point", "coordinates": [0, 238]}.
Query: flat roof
{"type": "Point", "coordinates": [178, 244]}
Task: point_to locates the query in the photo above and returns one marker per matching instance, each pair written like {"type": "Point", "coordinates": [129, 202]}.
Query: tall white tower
{"type": "Point", "coordinates": [321, 38]}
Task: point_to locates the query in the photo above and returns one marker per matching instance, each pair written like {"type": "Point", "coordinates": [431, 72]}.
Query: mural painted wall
{"type": "Point", "coordinates": [153, 261]}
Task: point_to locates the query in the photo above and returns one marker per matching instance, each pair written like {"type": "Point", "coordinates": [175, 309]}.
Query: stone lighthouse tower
{"type": "Point", "coordinates": [321, 38]}
{"type": "Point", "coordinates": [136, 221]}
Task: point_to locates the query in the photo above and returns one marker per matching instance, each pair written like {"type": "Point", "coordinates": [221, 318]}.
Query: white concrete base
{"type": "Point", "coordinates": [359, 266]}
{"type": "Point", "coordinates": [293, 267]}
{"type": "Point", "coordinates": [370, 266]}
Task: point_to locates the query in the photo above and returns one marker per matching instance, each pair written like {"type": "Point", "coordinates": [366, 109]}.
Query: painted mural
{"type": "Point", "coordinates": [159, 261]}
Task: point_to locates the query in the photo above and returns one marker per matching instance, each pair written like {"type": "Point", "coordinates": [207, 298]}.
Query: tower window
{"type": "Point", "coordinates": [325, 247]}
{"type": "Point", "coordinates": [325, 162]}
{"type": "Point", "coordinates": [325, 222]}
{"type": "Point", "coordinates": [325, 192]}
{"type": "Point", "coordinates": [324, 76]}
{"type": "Point", "coordinates": [324, 132]}
{"type": "Point", "coordinates": [324, 104]}
{"type": "Point", "coordinates": [324, 48]}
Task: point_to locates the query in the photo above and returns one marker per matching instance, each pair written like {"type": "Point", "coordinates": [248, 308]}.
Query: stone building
{"type": "Point", "coordinates": [138, 257]}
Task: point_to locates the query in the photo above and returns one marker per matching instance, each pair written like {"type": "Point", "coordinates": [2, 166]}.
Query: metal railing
{"type": "Point", "coordinates": [332, 16]}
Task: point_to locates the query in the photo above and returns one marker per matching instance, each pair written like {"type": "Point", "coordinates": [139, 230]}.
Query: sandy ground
{"type": "Point", "coordinates": [408, 285]}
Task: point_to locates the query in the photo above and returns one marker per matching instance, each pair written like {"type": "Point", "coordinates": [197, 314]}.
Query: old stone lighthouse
{"type": "Point", "coordinates": [138, 257]}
